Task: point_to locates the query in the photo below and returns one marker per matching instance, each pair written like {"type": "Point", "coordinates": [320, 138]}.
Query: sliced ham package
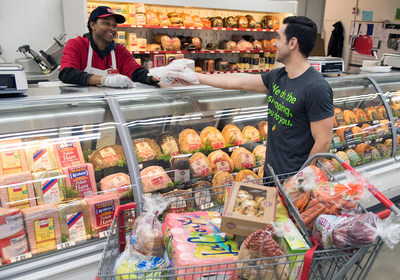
{"type": "Point", "coordinates": [15, 192]}
{"type": "Point", "coordinates": [118, 183]}
{"type": "Point", "coordinates": [74, 221]}
{"type": "Point", "coordinates": [13, 240]}
{"type": "Point", "coordinates": [48, 186]}
{"type": "Point", "coordinates": [68, 153]}
{"type": "Point", "coordinates": [40, 156]}
{"type": "Point", "coordinates": [101, 210]}
{"type": "Point", "coordinates": [42, 227]}
{"type": "Point", "coordinates": [12, 157]}
{"type": "Point", "coordinates": [81, 178]}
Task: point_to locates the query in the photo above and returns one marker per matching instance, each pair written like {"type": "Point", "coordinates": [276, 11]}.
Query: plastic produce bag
{"type": "Point", "coordinates": [182, 69]}
{"type": "Point", "coordinates": [355, 230]}
{"type": "Point", "coordinates": [146, 233]}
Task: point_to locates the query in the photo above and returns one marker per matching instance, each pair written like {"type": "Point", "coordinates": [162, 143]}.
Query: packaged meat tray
{"type": "Point", "coordinates": [12, 157]}
{"type": "Point", "coordinates": [118, 183]}
{"type": "Point", "coordinates": [40, 156]}
{"type": "Point", "coordinates": [48, 186]}
{"type": "Point", "coordinates": [81, 178]}
{"type": "Point", "coordinates": [108, 156]}
{"type": "Point", "coordinates": [16, 190]}
{"type": "Point", "coordinates": [68, 153]}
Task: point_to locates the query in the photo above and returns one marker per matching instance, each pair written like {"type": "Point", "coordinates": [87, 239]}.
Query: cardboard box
{"type": "Point", "coordinates": [292, 242]}
{"type": "Point", "coordinates": [248, 208]}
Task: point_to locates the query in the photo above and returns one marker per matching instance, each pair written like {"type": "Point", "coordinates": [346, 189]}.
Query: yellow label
{"type": "Point", "coordinates": [45, 235]}
{"type": "Point", "coordinates": [11, 162]}
{"type": "Point", "coordinates": [20, 195]}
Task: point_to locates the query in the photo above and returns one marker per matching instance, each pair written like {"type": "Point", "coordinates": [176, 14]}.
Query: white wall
{"type": "Point", "coordinates": [31, 22]}
{"type": "Point", "coordinates": [314, 9]}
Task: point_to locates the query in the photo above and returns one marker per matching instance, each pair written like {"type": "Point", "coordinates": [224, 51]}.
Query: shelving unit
{"type": "Point", "coordinates": [198, 28]}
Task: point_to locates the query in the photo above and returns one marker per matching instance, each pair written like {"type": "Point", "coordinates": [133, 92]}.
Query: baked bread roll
{"type": "Point", "coordinates": [382, 114]}
{"type": "Point", "coordinates": [151, 18]}
{"type": "Point", "coordinates": [229, 22]}
{"type": "Point", "coordinates": [154, 178]}
{"type": "Point", "coordinates": [360, 115]}
{"type": "Point", "coordinates": [197, 21]}
{"type": "Point", "coordinates": [339, 118]}
{"type": "Point", "coordinates": [189, 140]}
{"type": "Point", "coordinates": [267, 22]}
{"type": "Point", "coordinates": [349, 117]}
{"type": "Point", "coordinates": [242, 158]}
{"type": "Point", "coordinates": [154, 47]}
{"type": "Point", "coordinates": [176, 21]}
{"type": "Point", "coordinates": [213, 137]}
{"type": "Point", "coordinates": [176, 43]}
{"type": "Point", "coordinates": [206, 22]}
{"type": "Point", "coordinates": [259, 152]}
{"type": "Point", "coordinates": [163, 19]}
{"type": "Point", "coordinates": [251, 134]}
{"type": "Point", "coordinates": [220, 161]}
{"type": "Point", "coordinates": [187, 20]}
{"type": "Point", "coordinates": [263, 129]}
{"type": "Point", "coordinates": [247, 175]}
{"type": "Point", "coordinates": [251, 22]}
{"type": "Point", "coordinates": [242, 22]}
{"type": "Point", "coordinates": [146, 149]}
{"type": "Point", "coordinates": [166, 43]}
{"type": "Point", "coordinates": [233, 135]}
{"type": "Point", "coordinates": [199, 165]}
{"type": "Point", "coordinates": [224, 179]}
{"type": "Point", "coordinates": [372, 113]}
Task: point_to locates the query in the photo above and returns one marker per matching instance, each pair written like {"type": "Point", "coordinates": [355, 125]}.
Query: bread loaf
{"type": "Point", "coordinates": [189, 140]}
{"type": "Point", "coordinates": [220, 161]}
{"type": "Point", "coordinates": [146, 149]}
{"type": "Point", "coordinates": [372, 113]}
{"type": "Point", "coordinates": [48, 186]}
{"type": "Point", "coordinates": [152, 18]}
{"type": "Point", "coordinates": [233, 135]}
{"type": "Point", "coordinates": [199, 165]}
{"type": "Point", "coordinates": [166, 43]}
{"type": "Point", "coordinates": [382, 114]}
{"type": "Point", "coordinates": [206, 22]}
{"type": "Point", "coordinates": [74, 220]}
{"type": "Point", "coordinates": [212, 136]}
{"type": "Point", "coordinates": [108, 156]}
{"type": "Point", "coordinates": [360, 115]}
{"type": "Point", "coordinates": [259, 152]}
{"type": "Point", "coordinates": [197, 21]}
{"type": "Point", "coordinates": [242, 22]}
{"type": "Point", "coordinates": [168, 143]}
{"type": "Point", "coordinates": [263, 129]}
{"type": "Point", "coordinates": [187, 20]}
{"type": "Point", "coordinates": [118, 183]}
{"type": "Point", "coordinates": [267, 22]}
{"type": "Point", "coordinates": [247, 175]}
{"type": "Point", "coordinates": [242, 158]}
{"type": "Point", "coordinates": [42, 228]}
{"type": "Point", "coordinates": [12, 157]}
{"type": "Point", "coordinates": [339, 118]}
{"type": "Point", "coordinates": [163, 19]}
{"type": "Point", "coordinates": [251, 134]}
{"type": "Point", "coordinates": [349, 117]}
{"type": "Point", "coordinates": [15, 192]}
{"type": "Point", "coordinates": [154, 178]}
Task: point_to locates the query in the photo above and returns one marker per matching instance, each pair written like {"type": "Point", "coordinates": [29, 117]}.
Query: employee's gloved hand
{"type": "Point", "coordinates": [117, 81]}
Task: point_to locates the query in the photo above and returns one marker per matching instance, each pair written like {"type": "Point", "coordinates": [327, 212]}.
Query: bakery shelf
{"type": "Point", "coordinates": [198, 28]}
{"type": "Point", "coordinates": [202, 51]}
{"type": "Point", "coordinates": [239, 71]}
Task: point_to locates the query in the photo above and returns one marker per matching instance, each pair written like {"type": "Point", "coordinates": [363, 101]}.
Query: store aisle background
{"type": "Point", "coordinates": [386, 266]}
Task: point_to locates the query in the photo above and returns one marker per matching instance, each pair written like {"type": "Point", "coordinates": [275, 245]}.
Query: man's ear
{"type": "Point", "coordinates": [293, 43]}
{"type": "Point", "coordinates": [92, 23]}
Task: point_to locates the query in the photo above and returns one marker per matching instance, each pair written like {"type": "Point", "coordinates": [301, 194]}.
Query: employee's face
{"type": "Point", "coordinates": [281, 45]}
{"type": "Point", "coordinates": [104, 29]}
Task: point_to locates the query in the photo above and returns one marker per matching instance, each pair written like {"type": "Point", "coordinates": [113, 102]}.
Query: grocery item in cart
{"type": "Point", "coordinates": [48, 186]}
{"type": "Point", "coordinates": [154, 178]}
{"type": "Point", "coordinates": [146, 149]}
{"type": "Point", "coordinates": [42, 227]}
{"type": "Point", "coordinates": [74, 221]}
{"type": "Point", "coordinates": [40, 156]}
{"type": "Point", "coordinates": [200, 166]}
{"type": "Point", "coordinates": [210, 136]}
{"type": "Point", "coordinates": [16, 190]}
{"type": "Point", "coordinates": [202, 194]}
{"type": "Point", "coordinates": [242, 158]}
{"type": "Point", "coordinates": [68, 152]}
{"type": "Point", "coordinates": [108, 156]}
{"type": "Point", "coordinates": [81, 178]}
{"type": "Point", "coordinates": [13, 240]}
{"type": "Point", "coordinates": [260, 244]}
{"type": "Point", "coordinates": [101, 210]}
{"type": "Point", "coordinates": [119, 183]}
{"type": "Point", "coordinates": [12, 157]}
{"type": "Point", "coordinates": [220, 161]}
{"type": "Point", "coordinates": [180, 201]}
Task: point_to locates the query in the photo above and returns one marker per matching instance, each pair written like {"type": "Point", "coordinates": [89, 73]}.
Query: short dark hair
{"type": "Point", "coordinates": [88, 24]}
{"type": "Point", "coordinates": [304, 29]}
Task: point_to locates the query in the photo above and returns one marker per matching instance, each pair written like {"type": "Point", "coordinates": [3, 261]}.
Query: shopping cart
{"type": "Point", "coordinates": [349, 263]}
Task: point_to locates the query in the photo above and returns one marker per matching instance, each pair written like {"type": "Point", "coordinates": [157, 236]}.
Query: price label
{"type": "Point", "coordinates": [21, 257]}
{"type": "Point", "coordinates": [234, 29]}
{"type": "Point", "coordinates": [231, 149]}
{"type": "Point", "coordinates": [375, 122]}
{"type": "Point", "coordinates": [146, 52]}
{"type": "Point", "coordinates": [248, 51]}
{"type": "Point", "coordinates": [378, 140]}
{"type": "Point", "coordinates": [104, 233]}
{"type": "Point", "coordinates": [367, 142]}
{"type": "Point", "coordinates": [191, 27]}
{"type": "Point", "coordinates": [182, 27]}
{"type": "Point", "coordinates": [140, 26]}
{"type": "Point", "coordinates": [179, 52]}
{"type": "Point", "coordinates": [333, 150]}
{"type": "Point", "coordinates": [212, 51]}
{"type": "Point", "coordinates": [156, 52]}
{"type": "Point", "coordinates": [215, 28]}
{"type": "Point", "coordinates": [199, 28]}
{"type": "Point", "coordinates": [140, 166]}
{"type": "Point", "coordinates": [351, 146]}
{"type": "Point", "coordinates": [265, 142]}
{"type": "Point", "coordinates": [207, 205]}
{"type": "Point", "coordinates": [65, 245]}
{"type": "Point", "coordinates": [223, 28]}
{"type": "Point", "coordinates": [247, 29]}
{"type": "Point", "coordinates": [165, 27]}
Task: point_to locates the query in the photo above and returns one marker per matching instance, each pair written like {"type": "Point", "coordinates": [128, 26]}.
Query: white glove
{"type": "Point", "coordinates": [117, 81]}
{"type": "Point", "coordinates": [177, 69]}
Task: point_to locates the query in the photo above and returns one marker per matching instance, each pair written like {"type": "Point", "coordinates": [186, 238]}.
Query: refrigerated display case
{"type": "Point", "coordinates": [173, 140]}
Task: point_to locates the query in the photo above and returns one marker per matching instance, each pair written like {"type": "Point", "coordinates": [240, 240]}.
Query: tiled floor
{"type": "Point", "coordinates": [387, 265]}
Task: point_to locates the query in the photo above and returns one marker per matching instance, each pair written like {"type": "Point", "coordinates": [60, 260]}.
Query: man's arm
{"type": "Point", "coordinates": [322, 133]}
{"type": "Point", "coordinates": [247, 82]}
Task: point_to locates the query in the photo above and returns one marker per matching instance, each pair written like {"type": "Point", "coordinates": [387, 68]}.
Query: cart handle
{"type": "Point", "coordinates": [124, 207]}
{"type": "Point", "coordinates": [371, 188]}
{"type": "Point", "coordinates": [121, 232]}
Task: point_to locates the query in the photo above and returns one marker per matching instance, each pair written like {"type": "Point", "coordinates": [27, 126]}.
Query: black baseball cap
{"type": "Point", "coordinates": [104, 11]}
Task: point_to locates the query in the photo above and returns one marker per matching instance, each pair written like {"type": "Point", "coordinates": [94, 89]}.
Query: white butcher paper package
{"type": "Point", "coordinates": [177, 69]}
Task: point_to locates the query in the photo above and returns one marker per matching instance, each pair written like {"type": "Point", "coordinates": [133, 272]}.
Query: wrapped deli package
{"type": "Point", "coordinates": [81, 179]}
{"type": "Point", "coordinates": [108, 156]}
{"type": "Point", "coordinates": [12, 157]}
{"type": "Point", "coordinates": [48, 186]}
{"type": "Point", "coordinates": [16, 190]}
{"type": "Point", "coordinates": [68, 153]}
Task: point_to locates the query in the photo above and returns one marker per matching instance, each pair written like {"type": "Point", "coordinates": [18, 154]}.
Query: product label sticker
{"type": "Point", "coordinates": [68, 153]}
{"type": "Point", "coordinates": [194, 141]}
{"type": "Point", "coordinates": [65, 245]}
{"type": "Point", "coordinates": [45, 234]}
{"type": "Point", "coordinates": [21, 257]}
{"type": "Point", "coordinates": [144, 150]}
{"type": "Point", "coordinates": [108, 155]}
{"type": "Point", "coordinates": [156, 180]}
{"type": "Point", "coordinates": [178, 204]}
{"type": "Point", "coordinates": [202, 198]}
{"type": "Point", "coordinates": [217, 142]}
{"type": "Point", "coordinates": [18, 196]}
{"type": "Point", "coordinates": [80, 179]}
{"type": "Point", "coordinates": [11, 224]}
{"type": "Point", "coordinates": [235, 138]}
{"type": "Point", "coordinates": [104, 213]}
{"type": "Point", "coordinates": [11, 161]}
{"type": "Point", "coordinates": [223, 166]}
{"type": "Point", "coordinates": [170, 147]}
{"type": "Point", "coordinates": [340, 119]}
{"type": "Point", "coordinates": [182, 175]}
{"type": "Point", "coordinates": [76, 227]}
{"type": "Point", "coordinates": [250, 179]}
{"type": "Point", "coordinates": [200, 168]}
{"type": "Point", "coordinates": [41, 159]}
{"type": "Point", "coordinates": [51, 191]}
{"type": "Point", "coordinates": [247, 160]}
{"type": "Point", "coordinates": [18, 246]}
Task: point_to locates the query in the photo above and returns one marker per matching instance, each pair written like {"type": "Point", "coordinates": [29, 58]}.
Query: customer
{"type": "Point", "coordinates": [300, 101]}
{"type": "Point", "coordinates": [95, 59]}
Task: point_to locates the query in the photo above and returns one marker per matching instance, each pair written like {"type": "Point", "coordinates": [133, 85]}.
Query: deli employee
{"type": "Point", "coordinates": [95, 59]}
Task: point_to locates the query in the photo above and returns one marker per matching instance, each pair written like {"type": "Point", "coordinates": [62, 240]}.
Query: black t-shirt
{"type": "Point", "coordinates": [292, 105]}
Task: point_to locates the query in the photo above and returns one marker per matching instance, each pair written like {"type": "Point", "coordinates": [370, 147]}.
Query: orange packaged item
{"type": "Point", "coordinates": [163, 19]}
{"type": "Point", "coordinates": [220, 161]}
{"type": "Point", "coordinates": [12, 157]}
{"type": "Point", "coordinates": [154, 178]}
{"type": "Point", "coordinates": [146, 149]}
{"type": "Point", "coordinates": [345, 133]}
{"type": "Point", "coordinates": [242, 158]}
{"type": "Point", "coordinates": [368, 130]}
{"type": "Point", "coordinates": [197, 21]}
{"type": "Point", "coordinates": [247, 175]}
{"type": "Point", "coordinates": [339, 118]}
{"type": "Point", "coordinates": [212, 136]}
{"type": "Point", "coordinates": [343, 156]}
{"type": "Point", "coordinates": [382, 114]}
{"type": "Point", "coordinates": [200, 165]}
{"type": "Point", "coordinates": [68, 153]}
{"type": "Point", "coordinates": [349, 117]}
{"type": "Point", "coordinates": [42, 228]}
{"type": "Point", "coordinates": [152, 18]}
{"type": "Point", "coordinates": [189, 140]}
{"type": "Point", "coordinates": [372, 113]}
{"type": "Point", "coordinates": [358, 134]}
{"type": "Point", "coordinates": [251, 134]}
{"type": "Point", "coordinates": [187, 20]}
{"type": "Point", "coordinates": [15, 192]}
{"type": "Point", "coordinates": [206, 22]}
{"type": "Point", "coordinates": [233, 135]}
{"type": "Point", "coordinates": [154, 48]}
{"type": "Point", "coordinates": [360, 115]}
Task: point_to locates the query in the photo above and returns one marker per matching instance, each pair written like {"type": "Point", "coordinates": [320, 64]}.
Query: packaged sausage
{"type": "Point", "coordinates": [74, 221]}
{"type": "Point", "coordinates": [81, 178]}
{"type": "Point", "coordinates": [68, 153]}
{"type": "Point", "coordinates": [40, 156]}
{"type": "Point", "coordinates": [16, 192]}
{"type": "Point", "coordinates": [12, 157]}
{"type": "Point", "coordinates": [42, 228]}
{"type": "Point", "coordinates": [48, 186]}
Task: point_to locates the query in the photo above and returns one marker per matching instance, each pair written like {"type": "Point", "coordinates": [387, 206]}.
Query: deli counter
{"type": "Point", "coordinates": [69, 155]}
